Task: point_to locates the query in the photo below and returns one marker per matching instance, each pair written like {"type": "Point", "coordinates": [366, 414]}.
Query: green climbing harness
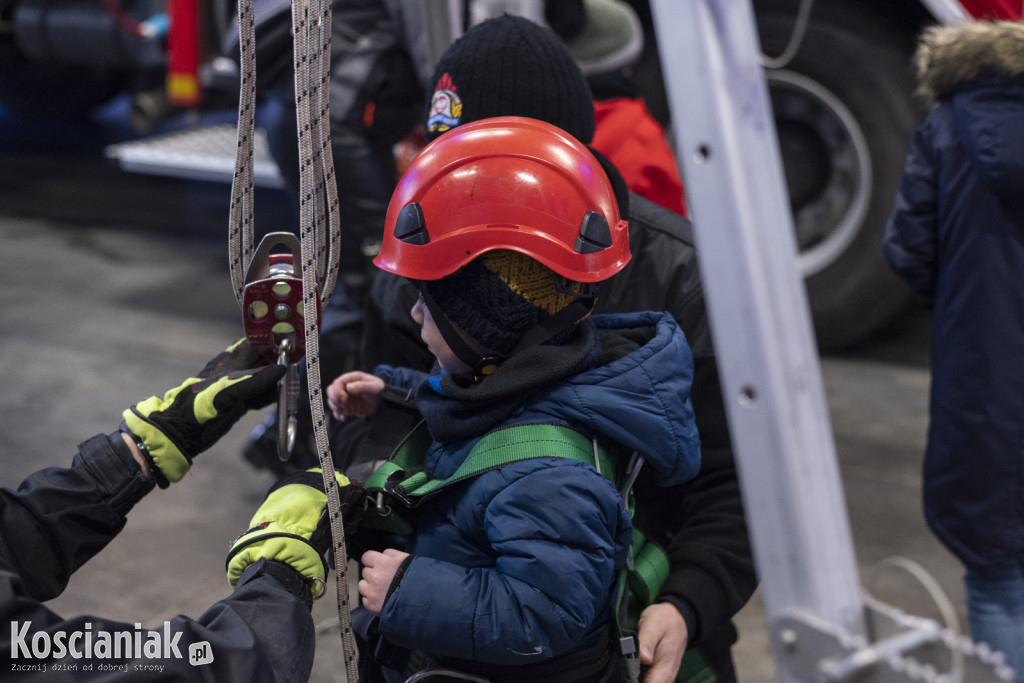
{"type": "Point", "coordinates": [401, 479]}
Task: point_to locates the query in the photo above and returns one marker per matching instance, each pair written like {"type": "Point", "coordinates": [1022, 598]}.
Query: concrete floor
{"type": "Point", "coordinates": [116, 286]}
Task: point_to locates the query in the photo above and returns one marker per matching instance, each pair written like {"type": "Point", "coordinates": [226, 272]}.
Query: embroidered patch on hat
{"type": "Point", "coordinates": [445, 106]}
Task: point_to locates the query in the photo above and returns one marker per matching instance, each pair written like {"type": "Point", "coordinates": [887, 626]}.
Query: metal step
{"type": "Point", "coordinates": [206, 153]}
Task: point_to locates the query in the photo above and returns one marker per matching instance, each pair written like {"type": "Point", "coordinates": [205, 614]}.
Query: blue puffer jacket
{"type": "Point", "coordinates": [956, 234]}
{"type": "Point", "coordinates": [518, 565]}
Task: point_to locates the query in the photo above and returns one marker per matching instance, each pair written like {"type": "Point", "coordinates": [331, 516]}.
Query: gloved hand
{"type": "Point", "coordinates": [293, 526]}
{"type": "Point", "coordinates": [193, 416]}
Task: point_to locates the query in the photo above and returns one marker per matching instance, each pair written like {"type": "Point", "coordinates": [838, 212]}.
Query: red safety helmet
{"type": "Point", "coordinates": [504, 183]}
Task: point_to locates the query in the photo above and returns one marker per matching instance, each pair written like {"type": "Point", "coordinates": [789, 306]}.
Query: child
{"type": "Point", "coordinates": [506, 225]}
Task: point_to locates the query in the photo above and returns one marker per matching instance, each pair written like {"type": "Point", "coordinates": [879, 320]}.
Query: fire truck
{"type": "Point", "coordinates": [839, 73]}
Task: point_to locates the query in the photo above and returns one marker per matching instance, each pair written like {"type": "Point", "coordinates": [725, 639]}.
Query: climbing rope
{"type": "Point", "coordinates": [319, 230]}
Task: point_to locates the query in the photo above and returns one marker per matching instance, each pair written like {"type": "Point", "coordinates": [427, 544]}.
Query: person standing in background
{"type": "Point", "coordinates": [956, 235]}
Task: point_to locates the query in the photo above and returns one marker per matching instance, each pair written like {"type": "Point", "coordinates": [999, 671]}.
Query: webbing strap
{"type": "Point", "coordinates": [650, 568]}
{"type": "Point", "coordinates": [402, 476]}
{"type": "Point", "coordinates": [408, 455]}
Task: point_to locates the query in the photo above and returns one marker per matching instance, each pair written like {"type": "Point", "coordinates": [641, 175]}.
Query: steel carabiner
{"type": "Point", "coordinates": [287, 403]}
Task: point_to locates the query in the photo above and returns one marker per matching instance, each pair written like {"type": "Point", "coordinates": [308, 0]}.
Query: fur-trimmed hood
{"type": "Point", "coordinates": [949, 55]}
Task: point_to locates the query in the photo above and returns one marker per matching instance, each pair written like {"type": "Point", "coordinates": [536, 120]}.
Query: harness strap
{"type": "Point", "coordinates": [402, 476]}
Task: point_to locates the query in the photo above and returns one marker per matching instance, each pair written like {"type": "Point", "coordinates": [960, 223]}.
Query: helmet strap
{"type": "Point", "coordinates": [451, 336]}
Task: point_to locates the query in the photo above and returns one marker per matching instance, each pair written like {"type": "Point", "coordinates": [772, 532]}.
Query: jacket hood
{"type": "Point", "coordinates": [947, 56]}
{"type": "Point", "coordinates": [976, 70]}
{"type": "Point", "coordinates": [640, 399]}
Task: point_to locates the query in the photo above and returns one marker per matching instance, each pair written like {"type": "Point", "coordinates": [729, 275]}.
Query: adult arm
{"type": "Point", "coordinates": [705, 532]}
{"type": "Point", "coordinates": [61, 517]}
{"type": "Point", "coordinates": [700, 523]}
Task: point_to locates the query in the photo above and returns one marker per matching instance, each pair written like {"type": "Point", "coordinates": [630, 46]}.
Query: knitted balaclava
{"type": "Point", "coordinates": [509, 66]}
{"type": "Point", "coordinates": [497, 297]}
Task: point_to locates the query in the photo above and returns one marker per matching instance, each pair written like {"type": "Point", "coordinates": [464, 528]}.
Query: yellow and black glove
{"type": "Point", "coordinates": [292, 526]}
{"type": "Point", "coordinates": [190, 418]}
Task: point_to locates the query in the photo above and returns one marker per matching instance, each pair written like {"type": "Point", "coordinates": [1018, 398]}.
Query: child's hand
{"type": "Point", "coordinates": [379, 571]}
{"type": "Point", "coordinates": [354, 394]}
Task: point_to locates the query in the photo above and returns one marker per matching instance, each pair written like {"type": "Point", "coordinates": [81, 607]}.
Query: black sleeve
{"type": "Point", "coordinates": [701, 523]}
{"type": "Point", "coordinates": [58, 519]}
{"type": "Point", "coordinates": [703, 527]}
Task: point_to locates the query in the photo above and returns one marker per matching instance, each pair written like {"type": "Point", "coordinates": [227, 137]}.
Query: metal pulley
{"type": "Point", "coordinates": [274, 318]}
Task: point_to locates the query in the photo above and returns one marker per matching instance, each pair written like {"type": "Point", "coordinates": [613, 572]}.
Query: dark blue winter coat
{"type": "Point", "coordinates": [956, 235]}
{"type": "Point", "coordinates": [518, 565]}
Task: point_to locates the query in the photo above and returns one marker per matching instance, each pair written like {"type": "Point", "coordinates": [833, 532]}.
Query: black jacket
{"type": "Point", "coordinates": [700, 523]}
{"type": "Point", "coordinates": [58, 519]}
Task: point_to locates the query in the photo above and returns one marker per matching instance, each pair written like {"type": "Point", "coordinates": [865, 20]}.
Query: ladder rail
{"type": "Point", "coordinates": [758, 309]}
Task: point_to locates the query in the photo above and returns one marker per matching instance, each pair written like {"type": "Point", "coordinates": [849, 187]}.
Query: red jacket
{"type": "Point", "coordinates": [993, 9]}
{"type": "Point", "coordinates": [635, 142]}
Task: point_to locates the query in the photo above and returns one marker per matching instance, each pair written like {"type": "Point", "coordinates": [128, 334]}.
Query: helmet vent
{"type": "Point", "coordinates": [410, 226]}
{"type": "Point", "coordinates": [594, 234]}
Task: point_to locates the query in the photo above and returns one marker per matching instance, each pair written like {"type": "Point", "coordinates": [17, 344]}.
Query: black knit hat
{"type": "Point", "coordinates": [509, 66]}
{"type": "Point", "coordinates": [499, 296]}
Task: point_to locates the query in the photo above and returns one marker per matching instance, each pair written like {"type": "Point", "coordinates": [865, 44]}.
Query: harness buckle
{"type": "Point", "coordinates": [392, 487]}
{"type": "Point", "coordinates": [629, 647]}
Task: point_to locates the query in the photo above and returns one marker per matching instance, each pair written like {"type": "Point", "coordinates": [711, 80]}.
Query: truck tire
{"type": "Point", "coordinates": [845, 113]}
